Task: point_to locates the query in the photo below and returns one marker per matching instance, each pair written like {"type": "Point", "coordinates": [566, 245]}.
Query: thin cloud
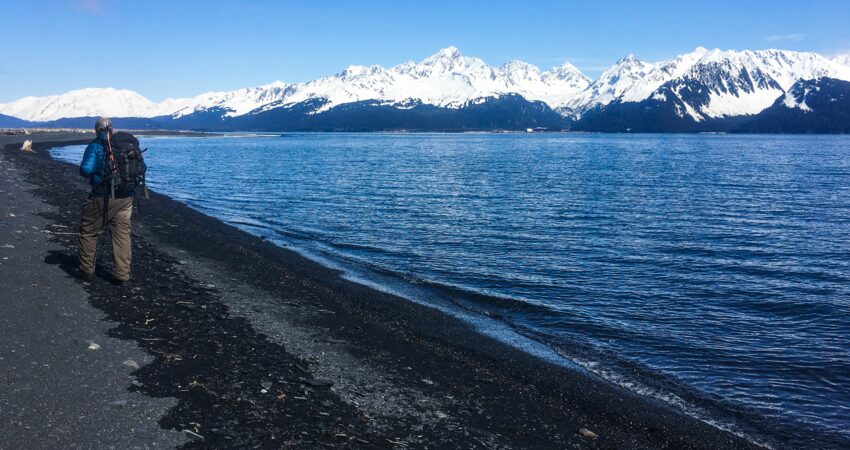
{"type": "Point", "coordinates": [91, 6]}
{"type": "Point", "coordinates": [794, 37]}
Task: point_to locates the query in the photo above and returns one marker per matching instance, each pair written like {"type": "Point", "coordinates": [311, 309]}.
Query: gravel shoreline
{"type": "Point", "coordinates": [262, 347]}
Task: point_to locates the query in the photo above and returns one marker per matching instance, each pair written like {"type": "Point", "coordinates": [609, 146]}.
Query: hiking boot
{"type": "Point", "coordinates": [85, 276]}
{"type": "Point", "coordinates": [119, 282]}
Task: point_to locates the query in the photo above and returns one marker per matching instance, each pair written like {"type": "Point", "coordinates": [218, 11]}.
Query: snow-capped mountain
{"type": "Point", "coordinates": [661, 73]}
{"type": "Point", "coordinates": [237, 102]}
{"type": "Point", "coordinates": [723, 84]}
{"type": "Point", "coordinates": [735, 83]}
{"type": "Point", "coordinates": [702, 87]}
{"type": "Point", "coordinates": [612, 84]}
{"type": "Point", "coordinates": [714, 83]}
{"type": "Point", "coordinates": [705, 90]}
{"type": "Point", "coordinates": [446, 79]}
{"type": "Point", "coordinates": [81, 103]}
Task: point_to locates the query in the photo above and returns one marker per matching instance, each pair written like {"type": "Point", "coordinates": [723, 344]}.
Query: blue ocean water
{"type": "Point", "coordinates": [709, 271]}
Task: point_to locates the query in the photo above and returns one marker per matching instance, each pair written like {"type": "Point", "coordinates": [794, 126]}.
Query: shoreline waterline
{"type": "Point", "coordinates": [439, 297]}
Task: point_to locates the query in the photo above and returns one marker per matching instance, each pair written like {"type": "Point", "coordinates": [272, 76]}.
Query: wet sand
{"type": "Point", "coordinates": [256, 345]}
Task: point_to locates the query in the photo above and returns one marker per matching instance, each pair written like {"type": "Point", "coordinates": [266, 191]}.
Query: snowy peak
{"type": "Point", "coordinates": [629, 63]}
{"type": "Point", "coordinates": [628, 68]}
{"type": "Point", "coordinates": [81, 103]}
{"type": "Point", "coordinates": [520, 71]}
{"type": "Point", "coordinates": [613, 83]}
{"type": "Point", "coordinates": [450, 61]}
{"type": "Point", "coordinates": [354, 72]}
{"type": "Point", "coordinates": [522, 75]}
{"type": "Point", "coordinates": [450, 52]}
{"type": "Point", "coordinates": [567, 71]}
{"type": "Point", "coordinates": [661, 73]}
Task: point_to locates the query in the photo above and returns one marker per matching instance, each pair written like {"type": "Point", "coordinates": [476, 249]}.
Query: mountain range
{"type": "Point", "coordinates": [704, 90]}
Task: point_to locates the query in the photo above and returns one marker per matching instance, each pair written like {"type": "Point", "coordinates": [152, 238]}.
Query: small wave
{"type": "Point", "coordinates": [617, 378]}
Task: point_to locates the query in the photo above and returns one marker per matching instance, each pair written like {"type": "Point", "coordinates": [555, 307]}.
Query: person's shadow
{"type": "Point", "coordinates": [68, 262]}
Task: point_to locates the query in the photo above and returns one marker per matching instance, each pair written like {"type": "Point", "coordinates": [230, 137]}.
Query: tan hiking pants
{"type": "Point", "coordinates": [91, 224]}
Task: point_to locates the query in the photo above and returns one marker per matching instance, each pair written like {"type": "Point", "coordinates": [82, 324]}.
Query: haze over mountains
{"type": "Point", "coordinates": [704, 90]}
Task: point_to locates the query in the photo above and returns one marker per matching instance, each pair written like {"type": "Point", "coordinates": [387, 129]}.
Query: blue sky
{"type": "Point", "coordinates": [182, 48]}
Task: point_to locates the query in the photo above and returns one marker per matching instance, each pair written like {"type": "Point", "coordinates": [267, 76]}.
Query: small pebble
{"type": "Point", "coordinates": [131, 364]}
{"type": "Point", "coordinates": [587, 433]}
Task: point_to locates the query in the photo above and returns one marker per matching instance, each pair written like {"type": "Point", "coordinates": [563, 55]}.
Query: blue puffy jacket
{"type": "Point", "coordinates": [93, 167]}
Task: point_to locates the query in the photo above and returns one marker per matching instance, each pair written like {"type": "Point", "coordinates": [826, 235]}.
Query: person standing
{"type": "Point", "coordinates": [110, 203]}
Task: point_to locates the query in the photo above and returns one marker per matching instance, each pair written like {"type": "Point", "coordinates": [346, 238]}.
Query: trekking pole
{"type": "Point", "coordinates": [138, 205]}
{"type": "Point", "coordinates": [145, 183]}
{"type": "Point", "coordinates": [113, 168]}
{"type": "Point", "coordinates": [113, 164]}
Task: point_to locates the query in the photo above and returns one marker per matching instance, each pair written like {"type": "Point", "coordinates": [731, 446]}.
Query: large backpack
{"type": "Point", "coordinates": [124, 163]}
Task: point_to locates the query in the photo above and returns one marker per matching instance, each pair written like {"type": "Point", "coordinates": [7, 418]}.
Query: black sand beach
{"type": "Point", "coordinates": [246, 344]}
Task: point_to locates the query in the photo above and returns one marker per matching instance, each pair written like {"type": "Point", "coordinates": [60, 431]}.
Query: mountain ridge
{"type": "Point", "coordinates": [696, 88]}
